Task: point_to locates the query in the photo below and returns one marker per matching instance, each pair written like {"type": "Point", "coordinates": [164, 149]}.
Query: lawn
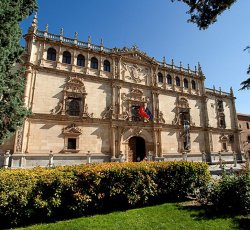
{"type": "Point", "coordinates": [166, 216]}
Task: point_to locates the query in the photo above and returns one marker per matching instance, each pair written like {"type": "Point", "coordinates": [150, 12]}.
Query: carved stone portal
{"type": "Point", "coordinates": [73, 102]}
{"type": "Point", "coordinates": [134, 98]}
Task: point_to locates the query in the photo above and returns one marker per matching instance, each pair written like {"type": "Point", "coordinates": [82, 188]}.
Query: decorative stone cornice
{"type": "Point", "coordinates": [72, 129]}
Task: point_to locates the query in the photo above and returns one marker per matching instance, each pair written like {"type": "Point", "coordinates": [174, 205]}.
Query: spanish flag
{"type": "Point", "coordinates": [142, 113]}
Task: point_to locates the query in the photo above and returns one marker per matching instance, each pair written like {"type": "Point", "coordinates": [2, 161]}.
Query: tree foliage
{"type": "Point", "coordinates": [205, 12]}
{"type": "Point", "coordinates": [12, 83]}
{"type": "Point", "coordinates": [246, 84]}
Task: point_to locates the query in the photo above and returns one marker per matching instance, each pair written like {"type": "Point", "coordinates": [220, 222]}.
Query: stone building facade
{"type": "Point", "coordinates": [88, 100]}
{"type": "Point", "coordinates": [244, 126]}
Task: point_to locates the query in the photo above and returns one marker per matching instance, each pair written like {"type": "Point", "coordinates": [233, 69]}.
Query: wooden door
{"type": "Point", "coordinates": [132, 149]}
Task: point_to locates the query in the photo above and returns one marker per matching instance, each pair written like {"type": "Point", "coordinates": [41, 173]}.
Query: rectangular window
{"type": "Point", "coordinates": [224, 146]}
{"type": "Point", "coordinates": [184, 117]}
{"type": "Point", "coordinates": [222, 121]}
{"type": "Point", "coordinates": [74, 106]}
{"type": "Point", "coordinates": [71, 143]}
{"type": "Point", "coordinates": [220, 105]}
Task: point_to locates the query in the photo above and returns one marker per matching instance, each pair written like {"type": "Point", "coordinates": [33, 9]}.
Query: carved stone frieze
{"type": "Point", "coordinates": [135, 94]}
{"type": "Point", "coordinates": [183, 103]}
{"type": "Point", "coordinates": [134, 72]}
{"type": "Point", "coordinates": [75, 85]}
{"type": "Point", "coordinates": [19, 137]}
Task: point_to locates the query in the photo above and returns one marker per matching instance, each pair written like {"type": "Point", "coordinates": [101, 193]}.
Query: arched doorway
{"type": "Point", "coordinates": [137, 150]}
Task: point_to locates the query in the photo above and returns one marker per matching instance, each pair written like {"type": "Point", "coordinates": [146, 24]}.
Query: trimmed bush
{"type": "Point", "coordinates": [229, 194]}
{"type": "Point", "coordinates": [43, 194]}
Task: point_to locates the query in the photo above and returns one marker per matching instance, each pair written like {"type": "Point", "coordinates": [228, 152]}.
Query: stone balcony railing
{"type": "Point", "coordinates": [44, 34]}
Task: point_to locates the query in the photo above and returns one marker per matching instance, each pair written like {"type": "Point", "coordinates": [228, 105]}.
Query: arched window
{"type": "Point", "coordinates": [51, 54]}
{"type": "Point", "coordinates": [169, 79]}
{"type": "Point", "coordinates": [160, 77]}
{"type": "Point", "coordinates": [106, 66]}
{"type": "Point", "coordinates": [177, 81]}
{"type": "Point", "coordinates": [185, 83]}
{"type": "Point", "coordinates": [193, 84]}
{"type": "Point", "coordinates": [94, 63]}
{"type": "Point", "coordinates": [80, 60]}
{"type": "Point", "coordinates": [66, 57]}
{"type": "Point", "coordinates": [74, 107]}
{"type": "Point", "coordinates": [247, 125]}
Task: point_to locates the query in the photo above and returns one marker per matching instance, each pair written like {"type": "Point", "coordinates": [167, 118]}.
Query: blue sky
{"type": "Point", "coordinates": [160, 28]}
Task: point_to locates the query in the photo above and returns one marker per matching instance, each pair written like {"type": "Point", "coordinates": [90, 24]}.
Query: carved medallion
{"type": "Point", "coordinates": [134, 72]}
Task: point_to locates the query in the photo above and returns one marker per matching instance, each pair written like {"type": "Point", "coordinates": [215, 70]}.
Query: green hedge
{"type": "Point", "coordinates": [40, 194]}
{"type": "Point", "coordinates": [230, 194]}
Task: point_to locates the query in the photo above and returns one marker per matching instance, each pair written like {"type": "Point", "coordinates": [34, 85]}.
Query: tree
{"type": "Point", "coordinates": [246, 84]}
{"type": "Point", "coordinates": [205, 12]}
{"type": "Point", "coordinates": [12, 83]}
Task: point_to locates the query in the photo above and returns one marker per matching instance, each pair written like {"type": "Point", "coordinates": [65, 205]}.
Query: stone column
{"type": "Point", "coordinates": [113, 97]}
{"type": "Point", "coordinates": [236, 129]}
{"type": "Point", "coordinates": [118, 99]}
{"type": "Point", "coordinates": [154, 106]}
{"type": "Point", "coordinates": [112, 144]}
{"type": "Point", "coordinates": [206, 129]}
{"type": "Point", "coordinates": [64, 103]}
{"type": "Point", "coordinates": [87, 63]}
{"type": "Point", "coordinates": [113, 68]}
{"type": "Point", "coordinates": [119, 68]}
{"type": "Point", "coordinates": [74, 60]}
{"type": "Point", "coordinates": [100, 66]}
{"type": "Point", "coordinates": [58, 57]}
{"type": "Point", "coordinates": [41, 55]}
{"type": "Point", "coordinates": [119, 132]}
{"type": "Point", "coordinates": [159, 143]}
{"type": "Point", "coordinates": [157, 105]}
{"type": "Point", "coordinates": [27, 86]}
{"type": "Point", "coordinates": [27, 126]}
{"type": "Point", "coordinates": [155, 139]}
{"type": "Point", "coordinates": [189, 85]}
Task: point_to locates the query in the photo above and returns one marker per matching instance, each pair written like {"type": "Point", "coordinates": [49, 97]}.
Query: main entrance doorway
{"type": "Point", "coordinates": [137, 150]}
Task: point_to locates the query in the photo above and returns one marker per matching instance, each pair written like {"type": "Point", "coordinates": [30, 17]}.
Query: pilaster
{"type": "Point", "coordinates": [112, 144]}
{"type": "Point", "coordinates": [207, 132]}
{"type": "Point", "coordinates": [236, 129]}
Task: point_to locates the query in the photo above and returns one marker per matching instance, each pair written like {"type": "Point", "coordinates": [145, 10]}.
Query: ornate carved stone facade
{"type": "Point", "coordinates": [85, 100]}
